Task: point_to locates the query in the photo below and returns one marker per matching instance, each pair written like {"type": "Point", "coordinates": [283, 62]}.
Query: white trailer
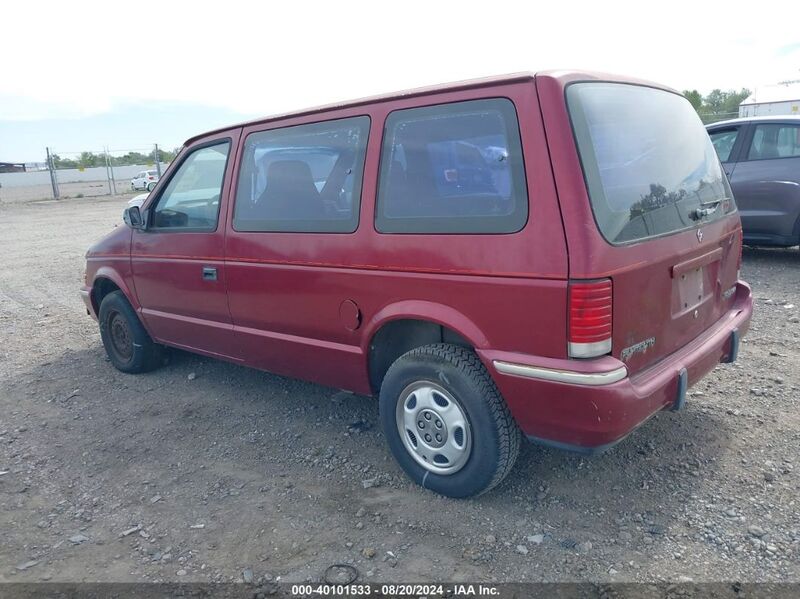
{"type": "Point", "coordinates": [773, 100]}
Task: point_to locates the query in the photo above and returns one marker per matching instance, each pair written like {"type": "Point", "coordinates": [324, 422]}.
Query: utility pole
{"type": "Point", "coordinates": [158, 163]}
{"type": "Point", "coordinates": [111, 168]}
{"type": "Point", "coordinates": [52, 168]}
{"type": "Point", "coordinates": [108, 174]}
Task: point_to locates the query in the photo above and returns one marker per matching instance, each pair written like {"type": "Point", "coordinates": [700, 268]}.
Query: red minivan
{"type": "Point", "coordinates": [553, 255]}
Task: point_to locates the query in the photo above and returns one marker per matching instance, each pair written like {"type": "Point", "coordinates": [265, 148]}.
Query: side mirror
{"type": "Point", "coordinates": [133, 217]}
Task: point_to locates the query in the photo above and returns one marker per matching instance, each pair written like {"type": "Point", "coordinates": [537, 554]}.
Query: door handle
{"type": "Point", "coordinates": [209, 273]}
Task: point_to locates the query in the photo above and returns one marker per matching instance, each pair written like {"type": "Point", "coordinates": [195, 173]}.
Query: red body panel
{"type": "Point", "coordinates": [581, 416]}
{"type": "Point", "coordinates": [110, 258]}
{"type": "Point", "coordinates": [308, 304]}
{"type": "Point", "coordinates": [293, 284]}
{"type": "Point", "coordinates": [179, 307]}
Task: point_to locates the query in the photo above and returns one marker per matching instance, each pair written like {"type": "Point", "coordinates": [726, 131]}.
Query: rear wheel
{"type": "Point", "coordinates": [127, 343]}
{"type": "Point", "coordinates": [151, 186]}
{"type": "Point", "coordinates": [445, 421]}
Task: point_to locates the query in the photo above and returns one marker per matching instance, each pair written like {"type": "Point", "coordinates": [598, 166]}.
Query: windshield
{"type": "Point", "coordinates": [649, 164]}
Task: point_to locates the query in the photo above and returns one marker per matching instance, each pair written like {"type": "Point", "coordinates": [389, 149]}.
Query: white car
{"type": "Point", "coordinates": [145, 180]}
{"type": "Point", "coordinates": [138, 200]}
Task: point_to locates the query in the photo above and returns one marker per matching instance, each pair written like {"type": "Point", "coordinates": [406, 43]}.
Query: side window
{"type": "Point", "coordinates": [774, 140]}
{"type": "Point", "coordinates": [304, 179]}
{"type": "Point", "coordinates": [723, 142]}
{"type": "Point", "coordinates": [452, 168]}
{"type": "Point", "coordinates": [191, 198]}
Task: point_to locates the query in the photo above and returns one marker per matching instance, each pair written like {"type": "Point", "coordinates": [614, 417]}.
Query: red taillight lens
{"type": "Point", "coordinates": [590, 307]}
{"type": "Point", "coordinates": [150, 178]}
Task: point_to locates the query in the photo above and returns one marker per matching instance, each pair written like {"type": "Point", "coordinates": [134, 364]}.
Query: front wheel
{"type": "Point", "coordinates": [126, 341]}
{"type": "Point", "coordinates": [445, 421]}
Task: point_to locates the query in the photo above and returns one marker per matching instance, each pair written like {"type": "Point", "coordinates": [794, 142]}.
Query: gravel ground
{"type": "Point", "coordinates": [206, 471]}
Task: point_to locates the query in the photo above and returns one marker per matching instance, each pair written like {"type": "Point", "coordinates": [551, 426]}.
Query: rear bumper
{"type": "Point", "coordinates": [590, 405]}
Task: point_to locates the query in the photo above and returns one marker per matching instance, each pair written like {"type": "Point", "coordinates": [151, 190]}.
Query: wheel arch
{"type": "Point", "coordinates": [403, 326]}
{"type": "Point", "coordinates": [107, 280]}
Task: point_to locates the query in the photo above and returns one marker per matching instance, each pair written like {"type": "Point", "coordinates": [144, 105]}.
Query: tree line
{"type": "Point", "coordinates": [718, 104]}
{"type": "Point", "coordinates": [90, 159]}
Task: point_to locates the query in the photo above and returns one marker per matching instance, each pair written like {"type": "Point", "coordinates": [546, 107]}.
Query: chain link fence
{"type": "Point", "coordinates": [71, 174]}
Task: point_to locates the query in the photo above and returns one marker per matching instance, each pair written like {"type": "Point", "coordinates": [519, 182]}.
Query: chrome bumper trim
{"type": "Point", "coordinates": [562, 376]}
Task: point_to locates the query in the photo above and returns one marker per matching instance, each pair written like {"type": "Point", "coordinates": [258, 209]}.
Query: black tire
{"type": "Point", "coordinates": [495, 438]}
{"type": "Point", "coordinates": [151, 186]}
{"type": "Point", "coordinates": [127, 343]}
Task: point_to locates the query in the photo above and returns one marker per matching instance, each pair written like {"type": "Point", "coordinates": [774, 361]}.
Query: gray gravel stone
{"type": "Point", "coordinates": [756, 530]}
{"type": "Point", "coordinates": [535, 539]}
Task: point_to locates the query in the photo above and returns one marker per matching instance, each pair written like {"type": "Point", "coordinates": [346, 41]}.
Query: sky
{"type": "Point", "coordinates": [127, 75]}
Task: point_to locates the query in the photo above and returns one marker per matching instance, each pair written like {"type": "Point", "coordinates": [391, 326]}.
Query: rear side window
{"type": "Point", "coordinates": [723, 142]}
{"type": "Point", "coordinates": [453, 168]}
{"type": "Point", "coordinates": [649, 165]}
{"type": "Point", "coordinates": [774, 140]}
{"type": "Point", "coordinates": [305, 179]}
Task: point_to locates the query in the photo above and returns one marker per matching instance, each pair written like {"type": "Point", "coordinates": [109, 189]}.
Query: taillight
{"type": "Point", "coordinates": [590, 307]}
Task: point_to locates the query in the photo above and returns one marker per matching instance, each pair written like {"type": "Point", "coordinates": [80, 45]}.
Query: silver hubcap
{"type": "Point", "coordinates": [433, 427]}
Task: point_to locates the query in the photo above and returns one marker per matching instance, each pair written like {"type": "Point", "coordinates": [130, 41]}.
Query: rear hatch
{"type": "Point", "coordinates": [662, 203]}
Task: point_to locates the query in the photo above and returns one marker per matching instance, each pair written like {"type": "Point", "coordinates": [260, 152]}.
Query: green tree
{"type": "Point", "coordinates": [695, 98]}
{"type": "Point", "coordinates": [718, 103]}
{"type": "Point", "coordinates": [132, 158]}
{"type": "Point", "coordinates": [734, 98]}
{"type": "Point", "coordinates": [88, 159]}
{"type": "Point", "coordinates": [59, 162]}
{"type": "Point", "coordinates": [714, 101]}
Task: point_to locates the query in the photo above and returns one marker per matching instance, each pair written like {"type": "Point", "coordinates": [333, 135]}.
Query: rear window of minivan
{"type": "Point", "coordinates": [649, 165]}
{"type": "Point", "coordinates": [452, 168]}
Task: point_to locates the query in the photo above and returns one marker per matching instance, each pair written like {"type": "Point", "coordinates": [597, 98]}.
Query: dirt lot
{"type": "Point", "coordinates": [211, 472]}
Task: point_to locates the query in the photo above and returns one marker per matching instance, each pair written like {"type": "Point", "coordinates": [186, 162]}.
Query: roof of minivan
{"type": "Point", "coordinates": [444, 87]}
{"type": "Point", "coordinates": [775, 118]}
